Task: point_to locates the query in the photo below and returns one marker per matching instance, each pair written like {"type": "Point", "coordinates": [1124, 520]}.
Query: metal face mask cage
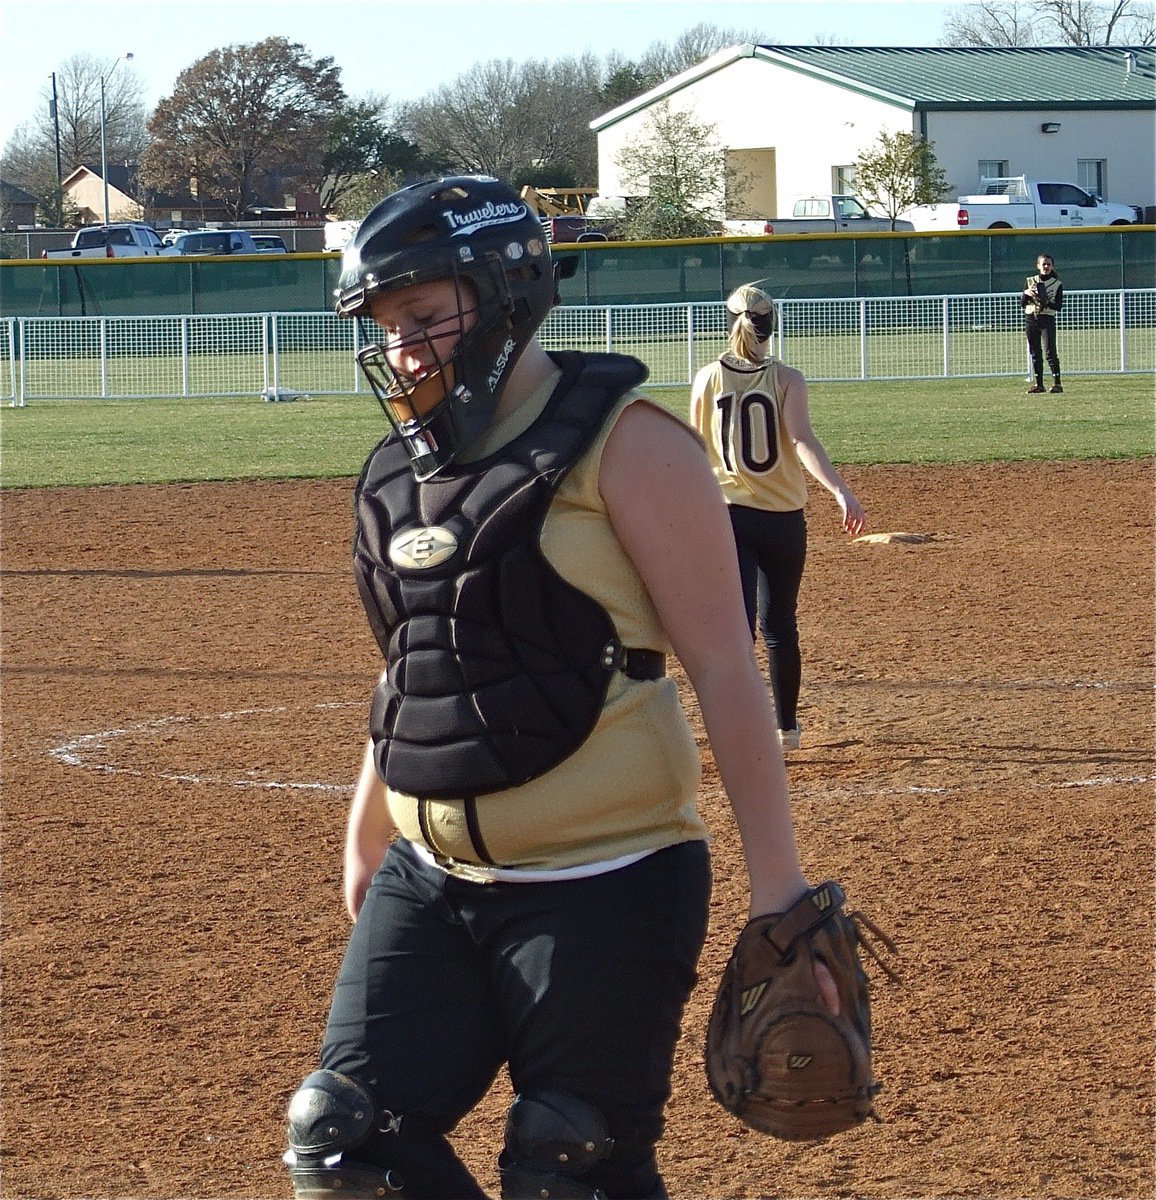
{"type": "Point", "coordinates": [432, 415]}
{"type": "Point", "coordinates": [399, 396]}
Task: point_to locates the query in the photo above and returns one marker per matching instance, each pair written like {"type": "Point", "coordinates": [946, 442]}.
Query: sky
{"type": "Point", "coordinates": [404, 49]}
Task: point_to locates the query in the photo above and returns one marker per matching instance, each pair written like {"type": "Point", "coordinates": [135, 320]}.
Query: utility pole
{"type": "Point", "coordinates": [59, 172]}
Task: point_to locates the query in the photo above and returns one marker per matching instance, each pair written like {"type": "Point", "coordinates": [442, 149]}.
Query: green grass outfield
{"type": "Point", "coordinates": [63, 443]}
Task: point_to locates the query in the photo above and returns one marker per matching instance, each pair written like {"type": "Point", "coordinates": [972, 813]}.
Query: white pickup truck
{"type": "Point", "coordinates": [1016, 202]}
{"type": "Point", "coordinates": [127, 240]}
{"type": "Point", "coordinates": [820, 214]}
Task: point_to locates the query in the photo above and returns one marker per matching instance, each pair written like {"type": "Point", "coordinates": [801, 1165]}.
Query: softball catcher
{"type": "Point", "coordinates": [525, 863]}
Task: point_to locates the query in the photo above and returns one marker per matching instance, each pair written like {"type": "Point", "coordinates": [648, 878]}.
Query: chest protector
{"type": "Point", "coordinates": [498, 668]}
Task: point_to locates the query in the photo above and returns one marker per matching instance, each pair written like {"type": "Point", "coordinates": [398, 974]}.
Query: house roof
{"type": "Point", "coordinates": [125, 180]}
{"type": "Point", "coordinates": [987, 77]}
{"type": "Point", "coordinates": [14, 195]}
{"type": "Point", "coordinates": [947, 77]}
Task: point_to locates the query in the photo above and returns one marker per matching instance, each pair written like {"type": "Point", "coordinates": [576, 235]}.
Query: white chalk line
{"type": "Point", "coordinates": [75, 752]}
{"type": "Point", "coordinates": [85, 750]}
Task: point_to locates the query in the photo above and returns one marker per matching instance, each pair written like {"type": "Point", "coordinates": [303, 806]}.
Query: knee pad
{"type": "Point", "coordinates": [329, 1115]}
{"type": "Point", "coordinates": [552, 1140]}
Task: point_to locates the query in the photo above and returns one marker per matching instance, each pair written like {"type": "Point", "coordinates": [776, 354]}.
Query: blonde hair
{"type": "Point", "coordinates": [745, 341]}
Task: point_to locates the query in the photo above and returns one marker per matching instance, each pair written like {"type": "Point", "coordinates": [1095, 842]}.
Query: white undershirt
{"type": "Point", "coordinates": [527, 875]}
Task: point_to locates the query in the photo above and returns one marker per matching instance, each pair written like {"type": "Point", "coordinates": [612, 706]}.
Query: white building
{"type": "Point", "coordinates": [794, 119]}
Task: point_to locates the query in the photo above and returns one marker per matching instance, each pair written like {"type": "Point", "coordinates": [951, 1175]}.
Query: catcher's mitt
{"type": "Point", "coordinates": [775, 1056]}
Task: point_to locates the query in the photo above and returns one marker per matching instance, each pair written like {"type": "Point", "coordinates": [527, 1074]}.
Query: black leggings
{"type": "Point", "coordinates": [772, 549]}
{"type": "Point", "coordinates": [577, 985]}
{"type": "Point", "coordinates": [1041, 332]}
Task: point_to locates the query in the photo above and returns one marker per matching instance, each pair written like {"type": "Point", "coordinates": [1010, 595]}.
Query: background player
{"type": "Point", "coordinates": [1041, 299]}
{"type": "Point", "coordinates": [752, 410]}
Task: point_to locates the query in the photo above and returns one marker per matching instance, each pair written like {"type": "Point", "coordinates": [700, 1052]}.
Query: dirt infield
{"type": "Point", "coordinates": [185, 678]}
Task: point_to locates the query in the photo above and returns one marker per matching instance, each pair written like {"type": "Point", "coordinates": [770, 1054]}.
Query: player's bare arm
{"type": "Point", "coordinates": [812, 453]}
{"type": "Point", "coordinates": [667, 511]}
{"type": "Point", "coordinates": [368, 833]}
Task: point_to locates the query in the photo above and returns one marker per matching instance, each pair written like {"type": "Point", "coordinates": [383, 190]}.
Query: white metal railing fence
{"type": "Point", "coordinates": [283, 355]}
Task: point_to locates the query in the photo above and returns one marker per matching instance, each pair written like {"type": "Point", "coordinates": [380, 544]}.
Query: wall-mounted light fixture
{"type": "Point", "coordinates": [1050, 127]}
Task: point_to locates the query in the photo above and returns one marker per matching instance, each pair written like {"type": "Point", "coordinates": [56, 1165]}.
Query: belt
{"type": "Point", "coordinates": [634, 663]}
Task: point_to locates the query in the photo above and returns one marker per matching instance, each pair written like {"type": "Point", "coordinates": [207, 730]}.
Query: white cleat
{"type": "Point", "coordinates": [789, 739]}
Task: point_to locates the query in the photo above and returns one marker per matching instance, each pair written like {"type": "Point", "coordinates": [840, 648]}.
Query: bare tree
{"type": "Point", "coordinates": [991, 23]}
{"type": "Point", "coordinates": [78, 113]}
{"type": "Point", "coordinates": [676, 175]}
{"type": "Point", "coordinates": [29, 158]}
{"type": "Point", "coordinates": [78, 109]}
{"type": "Point", "coordinates": [1084, 23]}
{"type": "Point", "coordinates": [504, 118]}
{"type": "Point", "coordinates": [1051, 22]}
{"type": "Point", "coordinates": [662, 60]}
{"type": "Point", "coordinates": [530, 122]}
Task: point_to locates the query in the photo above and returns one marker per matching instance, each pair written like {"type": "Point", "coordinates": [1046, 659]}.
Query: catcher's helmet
{"type": "Point", "coordinates": [467, 228]}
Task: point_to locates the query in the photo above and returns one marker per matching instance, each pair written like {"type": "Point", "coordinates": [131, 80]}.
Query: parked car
{"type": "Point", "coordinates": [212, 241]}
{"type": "Point", "coordinates": [270, 243]}
{"type": "Point", "coordinates": [819, 214]}
{"type": "Point", "coordinates": [130, 239]}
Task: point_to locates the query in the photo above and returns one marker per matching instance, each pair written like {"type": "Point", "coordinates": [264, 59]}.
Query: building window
{"type": "Point", "coordinates": [1091, 175]}
{"type": "Point", "coordinates": [843, 181]}
{"type": "Point", "coordinates": [993, 168]}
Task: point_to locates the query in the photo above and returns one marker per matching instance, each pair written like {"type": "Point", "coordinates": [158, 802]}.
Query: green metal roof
{"type": "Point", "coordinates": [948, 77]}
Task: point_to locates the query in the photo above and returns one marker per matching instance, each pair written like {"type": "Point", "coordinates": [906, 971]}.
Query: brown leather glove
{"type": "Point", "coordinates": [775, 1055]}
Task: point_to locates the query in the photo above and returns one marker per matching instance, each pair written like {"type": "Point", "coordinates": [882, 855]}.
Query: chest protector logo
{"type": "Point", "coordinates": [496, 669]}
{"type": "Point", "coordinates": [417, 549]}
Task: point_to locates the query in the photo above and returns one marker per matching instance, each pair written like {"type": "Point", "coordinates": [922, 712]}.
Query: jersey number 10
{"type": "Point", "coordinates": [750, 431]}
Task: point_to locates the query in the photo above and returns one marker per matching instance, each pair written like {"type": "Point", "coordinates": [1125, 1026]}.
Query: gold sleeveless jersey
{"type": "Point", "coordinates": [1047, 295]}
{"type": "Point", "coordinates": [632, 786]}
{"type": "Point", "coordinates": [740, 417]}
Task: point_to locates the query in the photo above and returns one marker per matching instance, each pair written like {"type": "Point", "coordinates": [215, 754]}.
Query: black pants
{"type": "Point", "coordinates": [1041, 333]}
{"type": "Point", "coordinates": [772, 549]}
{"type": "Point", "coordinates": [577, 985]}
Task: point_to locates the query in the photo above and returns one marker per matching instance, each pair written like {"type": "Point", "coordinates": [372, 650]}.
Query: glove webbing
{"type": "Point", "coordinates": [822, 901]}
{"type": "Point", "coordinates": [812, 910]}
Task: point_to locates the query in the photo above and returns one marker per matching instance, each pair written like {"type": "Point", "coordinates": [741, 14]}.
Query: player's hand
{"type": "Point", "coordinates": [854, 516]}
{"type": "Point", "coordinates": [359, 872]}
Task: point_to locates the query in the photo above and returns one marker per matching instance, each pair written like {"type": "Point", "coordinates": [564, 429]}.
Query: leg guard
{"type": "Point", "coordinates": [552, 1140]}
{"type": "Point", "coordinates": [330, 1115]}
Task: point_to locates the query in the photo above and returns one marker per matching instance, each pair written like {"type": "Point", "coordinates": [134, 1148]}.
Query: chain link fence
{"type": "Point", "coordinates": [278, 356]}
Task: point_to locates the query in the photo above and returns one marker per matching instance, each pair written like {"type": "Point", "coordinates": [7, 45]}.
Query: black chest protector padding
{"type": "Point", "coordinates": [498, 668]}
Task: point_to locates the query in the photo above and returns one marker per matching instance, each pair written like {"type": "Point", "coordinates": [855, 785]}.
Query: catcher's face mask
{"type": "Point", "coordinates": [413, 369]}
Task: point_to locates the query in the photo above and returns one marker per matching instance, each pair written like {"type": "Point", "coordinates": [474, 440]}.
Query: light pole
{"type": "Point", "coordinates": [103, 135]}
{"type": "Point", "coordinates": [59, 176]}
